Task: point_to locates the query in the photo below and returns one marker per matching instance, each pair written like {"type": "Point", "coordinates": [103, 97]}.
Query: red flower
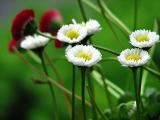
{"type": "Point", "coordinates": [12, 45]}
{"type": "Point", "coordinates": [57, 43]}
{"type": "Point", "coordinates": [21, 26]}
{"type": "Point", "coordinates": [50, 21]}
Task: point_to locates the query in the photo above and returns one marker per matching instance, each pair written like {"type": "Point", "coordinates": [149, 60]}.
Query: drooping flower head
{"type": "Point", "coordinates": [50, 21]}
{"type": "Point", "coordinates": [23, 24]}
{"type": "Point", "coordinates": [83, 55]}
{"type": "Point", "coordinates": [92, 26]}
{"type": "Point", "coordinates": [72, 33]}
{"type": "Point", "coordinates": [34, 42]}
{"type": "Point", "coordinates": [143, 38]}
{"type": "Point", "coordinates": [133, 57]}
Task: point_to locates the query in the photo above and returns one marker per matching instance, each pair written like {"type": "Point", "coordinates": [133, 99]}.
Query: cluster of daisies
{"type": "Point", "coordinates": [27, 36]}
{"type": "Point", "coordinates": [77, 36]}
{"type": "Point", "coordinates": [142, 40]}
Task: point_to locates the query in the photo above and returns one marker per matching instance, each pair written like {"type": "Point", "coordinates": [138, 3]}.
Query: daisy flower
{"type": "Point", "coordinates": [83, 55]}
{"type": "Point", "coordinates": [91, 25]}
{"type": "Point", "coordinates": [50, 21]}
{"type": "Point", "coordinates": [23, 24]}
{"type": "Point", "coordinates": [143, 38]}
{"type": "Point", "coordinates": [133, 57]}
{"type": "Point", "coordinates": [33, 42]}
{"type": "Point", "coordinates": [72, 33]}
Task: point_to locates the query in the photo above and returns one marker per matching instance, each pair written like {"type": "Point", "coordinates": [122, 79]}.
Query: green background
{"type": "Point", "coordinates": [21, 99]}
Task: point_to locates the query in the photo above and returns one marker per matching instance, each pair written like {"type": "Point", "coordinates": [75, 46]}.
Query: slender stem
{"type": "Point", "coordinates": [82, 10]}
{"type": "Point", "coordinates": [50, 86]}
{"type": "Point", "coordinates": [145, 73]}
{"type": "Point", "coordinates": [134, 70]}
{"type": "Point", "coordinates": [110, 16]}
{"type": "Point", "coordinates": [109, 59]}
{"type": "Point", "coordinates": [83, 70]}
{"type": "Point", "coordinates": [110, 84]}
{"type": "Point", "coordinates": [91, 87]}
{"type": "Point", "coordinates": [73, 94]}
{"type": "Point", "coordinates": [100, 69]}
{"type": "Point", "coordinates": [66, 96]}
{"type": "Point", "coordinates": [83, 14]}
{"type": "Point", "coordinates": [140, 85]}
{"type": "Point", "coordinates": [107, 92]}
{"type": "Point", "coordinates": [44, 35]}
{"type": "Point", "coordinates": [108, 22]}
{"type": "Point", "coordinates": [153, 71]}
{"type": "Point", "coordinates": [57, 84]}
{"type": "Point", "coordinates": [140, 79]}
{"type": "Point", "coordinates": [97, 108]}
{"type": "Point", "coordinates": [106, 49]}
{"type": "Point", "coordinates": [135, 14]}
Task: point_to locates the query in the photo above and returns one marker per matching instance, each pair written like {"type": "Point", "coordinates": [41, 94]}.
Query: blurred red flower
{"type": "Point", "coordinates": [12, 45]}
{"type": "Point", "coordinates": [50, 21]}
{"type": "Point", "coordinates": [23, 24]}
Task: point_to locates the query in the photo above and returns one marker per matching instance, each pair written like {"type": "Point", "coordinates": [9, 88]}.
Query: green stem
{"type": "Point", "coordinates": [154, 72]}
{"type": "Point", "coordinates": [50, 80]}
{"type": "Point", "coordinates": [83, 15]}
{"type": "Point", "coordinates": [91, 87]}
{"type": "Point", "coordinates": [83, 70]}
{"type": "Point", "coordinates": [106, 49]}
{"type": "Point", "coordinates": [44, 35]}
{"type": "Point", "coordinates": [110, 16]}
{"type": "Point", "coordinates": [114, 88]}
{"type": "Point", "coordinates": [108, 22]}
{"type": "Point", "coordinates": [108, 95]}
{"type": "Point", "coordinates": [66, 96]}
{"type": "Point", "coordinates": [82, 10]}
{"type": "Point", "coordinates": [140, 85]}
{"type": "Point", "coordinates": [134, 70]}
{"type": "Point", "coordinates": [97, 108]}
{"type": "Point", "coordinates": [109, 59]}
{"type": "Point", "coordinates": [135, 14]}
{"type": "Point", "coordinates": [73, 94]}
{"type": "Point", "coordinates": [145, 73]}
{"type": "Point", "coordinates": [50, 85]}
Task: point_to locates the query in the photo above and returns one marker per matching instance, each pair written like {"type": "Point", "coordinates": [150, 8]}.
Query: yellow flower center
{"type": "Point", "coordinates": [72, 34]}
{"type": "Point", "coordinates": [142, 38]}
{"type": "Point", "coordinates": [134, 57]}
{"type": "Point", "coordinates": [83, 55]}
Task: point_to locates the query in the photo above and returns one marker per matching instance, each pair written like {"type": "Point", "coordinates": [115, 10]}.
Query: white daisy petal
{"type": "Point", "coordinates": [83, 55]}
{"type": "Point", "coordinates": [143, 38]}
{"type": "Point", "coordinates": [33, 42]}
{"type": "Point", "coordinates": [92, 26]}
{"type": "Point", "coordinates": [133, 57]}
{"type": "Point", "coordinates": [72, 33]}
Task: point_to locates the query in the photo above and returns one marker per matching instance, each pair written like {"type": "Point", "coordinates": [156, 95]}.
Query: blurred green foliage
{"type": "Point", "coordinates": [21, 99]}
